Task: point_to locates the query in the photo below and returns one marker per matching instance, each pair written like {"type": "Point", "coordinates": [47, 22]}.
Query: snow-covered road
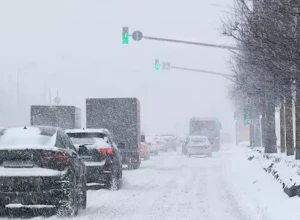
{"type": "Point", "coordinates": [169, 186]}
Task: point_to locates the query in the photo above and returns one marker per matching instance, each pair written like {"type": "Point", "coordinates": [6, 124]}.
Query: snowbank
{"type": "Point", "coordinates": [257, 193]}
{"type": "Point", "coordinates": [285, 169]}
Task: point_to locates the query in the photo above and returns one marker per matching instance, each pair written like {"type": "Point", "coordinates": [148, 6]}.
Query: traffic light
{"type": "Point", "coordinates": [246, 116]}
{"type": "Point", "coordinates": [236, 117]}
{"type": "Point", "coordinates": [156, 64]}
{"type": "Point", "coordinates": [125, 35]}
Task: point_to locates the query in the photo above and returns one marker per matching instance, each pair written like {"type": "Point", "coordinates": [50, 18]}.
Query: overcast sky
{"type": "Point", "coordinates": [74, 46]}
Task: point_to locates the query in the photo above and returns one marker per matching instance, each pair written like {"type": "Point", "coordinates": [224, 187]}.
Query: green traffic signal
{"type": "Point", "coordinates": [246, 116]}
{"type": "Point", "coordinates": [125, 35]}
{"type": "Point", "coordinates": [236, 117]}
{"type": "Point", "coordinates": [157, 66]}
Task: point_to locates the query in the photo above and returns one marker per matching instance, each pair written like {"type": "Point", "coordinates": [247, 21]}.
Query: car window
{"type": "Point", "coordinates": [70, 145]}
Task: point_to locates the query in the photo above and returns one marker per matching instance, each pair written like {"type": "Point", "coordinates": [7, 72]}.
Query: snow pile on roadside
{"type": "Point", "coordinates": [258, 195]}
{"type": "Point", "coordinates": [285, 169]}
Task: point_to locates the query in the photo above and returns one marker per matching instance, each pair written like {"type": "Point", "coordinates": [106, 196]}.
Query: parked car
{"type": "Point", "coordinates": [40, 166]}
{"type": "Point", "coordinates": [199, 145]}
{"type": "Point", "coordinates": [100, 155]}
{"type": "Point", "coordinates": [144, 151]}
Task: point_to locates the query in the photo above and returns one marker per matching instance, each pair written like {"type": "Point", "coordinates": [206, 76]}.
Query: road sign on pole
{"type": "Point", "coordinates": [57, 100]}
{"type": "Point", "coordinates": [252, 121]}
{"type": "Point", "coordinates": [166, 65]}
{"type": "Point", "coordinates": [137, 35]}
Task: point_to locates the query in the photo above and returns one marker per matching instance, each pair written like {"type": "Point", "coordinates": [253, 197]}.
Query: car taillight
{"type": "Point", "coordinates": [57, 160]}
{"type": "Point", "coordinates": [106, 151]}
{"type": "Point", "coordinates": [61, 158]}
{"type": "Point", "coordinates": [207, 147]}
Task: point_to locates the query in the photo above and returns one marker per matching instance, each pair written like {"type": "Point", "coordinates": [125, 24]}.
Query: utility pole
{"type": "Point", "coordinates": [50, 96]}
{"type": "Point", "coordinates": [18, 92]}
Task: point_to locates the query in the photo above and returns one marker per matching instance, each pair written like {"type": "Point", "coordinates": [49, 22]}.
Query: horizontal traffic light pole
{"type": "Point", "coordinates": [191, 43]}
{"type": "Point", "coordinates": [228, 76]}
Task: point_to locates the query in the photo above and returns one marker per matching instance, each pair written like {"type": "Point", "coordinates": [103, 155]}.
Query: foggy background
{"type": "Point", "coordinates": [75, 47]}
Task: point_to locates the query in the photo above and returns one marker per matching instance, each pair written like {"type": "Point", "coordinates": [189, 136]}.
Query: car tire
{"type": "Point", "coordinates": [70, 207]}
{"type": "Point", "coordinates": [210, 155]}
{"type": "Point", "coordinates": [130, 166]}
{"type": "Point", "coordinates": [114, 182]}
{"type": "Point", "coordinates": [83, 196]}
{"type": "Point", "coordinates": [136, 166]}
{"type": "Point", "coordinates": [2, 210]}
{"type": "Point", "coordinates": [189, 155]}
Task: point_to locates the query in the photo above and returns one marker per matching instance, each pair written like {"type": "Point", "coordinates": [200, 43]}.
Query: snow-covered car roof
{"type": "Point", "coordinates": [101, 130]}
{"type": "Point", "coordinates": [24, 136]}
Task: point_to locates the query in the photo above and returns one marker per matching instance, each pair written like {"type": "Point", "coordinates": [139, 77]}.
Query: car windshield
{"type": "Point", "coordinates": [198, 140]}
{"type": "Point", "coordinates": [88, 138]}
{"type": "Point", "coordinates": [83, 140]}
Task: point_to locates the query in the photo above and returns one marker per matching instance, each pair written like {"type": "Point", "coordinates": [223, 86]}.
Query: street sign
{"type": "Point", "coordinates": [166, 65]}
{"type": "Point", "coordinates": [252, 121]}
{"type": "Point", "coordinates": [137, 35]}
{"type": "Point", "coordinates": [57, 100]}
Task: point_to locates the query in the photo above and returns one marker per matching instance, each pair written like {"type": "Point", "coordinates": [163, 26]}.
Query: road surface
{"type": "Point", "coordinates": [168, 187]}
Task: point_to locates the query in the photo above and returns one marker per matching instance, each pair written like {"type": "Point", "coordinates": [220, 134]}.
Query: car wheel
{"type": "Point", "coordinates": [130, 167]}
{"type": "Point", "coordinates": [210, 155]}
{"type": "Point", "coordinates": [189, 155]}
{"type": "Point", "coordinates": [70, 206]}
{"type": "Point", "coordinates": [83, 196]}
{"type": "Point", "coordinates": [136, 166]}
{"type": "Point", "coordinates": [2, 210]}
{"type": "Point", "coordinates": [114, 182]}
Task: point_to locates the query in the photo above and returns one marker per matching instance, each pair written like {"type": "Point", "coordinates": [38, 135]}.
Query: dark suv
{"type": "Point", "coordinates": [100, 155]}
{"type": "Point", "coordinates": [40, 166]}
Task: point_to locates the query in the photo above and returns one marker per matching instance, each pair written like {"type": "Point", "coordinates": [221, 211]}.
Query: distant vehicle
{"type": "Point", "coordinates": [145, 151]}
{"type": "Point", "coordinates": [66, 117]}
{"type": "Point", "coordinates": [40, 166]}
{"type": "Point", "coordinates": [199, 145]}
{"type": "Point", "coordinates": [153, 148]}
{"type": "Point", "coordinates": [121, 116]}
{"type": "Point", "coordinates": [160, 144]}
{"type": "Point", "coordinates": [100, 155]}
{"type": "Point", "coordinates": [170, 141]}
{"type": "Point", "coordinates": [209, 127]}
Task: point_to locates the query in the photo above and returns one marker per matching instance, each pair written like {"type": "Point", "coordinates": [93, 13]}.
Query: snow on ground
{"type": "Point", "coordinates": [257, 191]}
{"type": "Point", "coordinates": [173, 186]}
